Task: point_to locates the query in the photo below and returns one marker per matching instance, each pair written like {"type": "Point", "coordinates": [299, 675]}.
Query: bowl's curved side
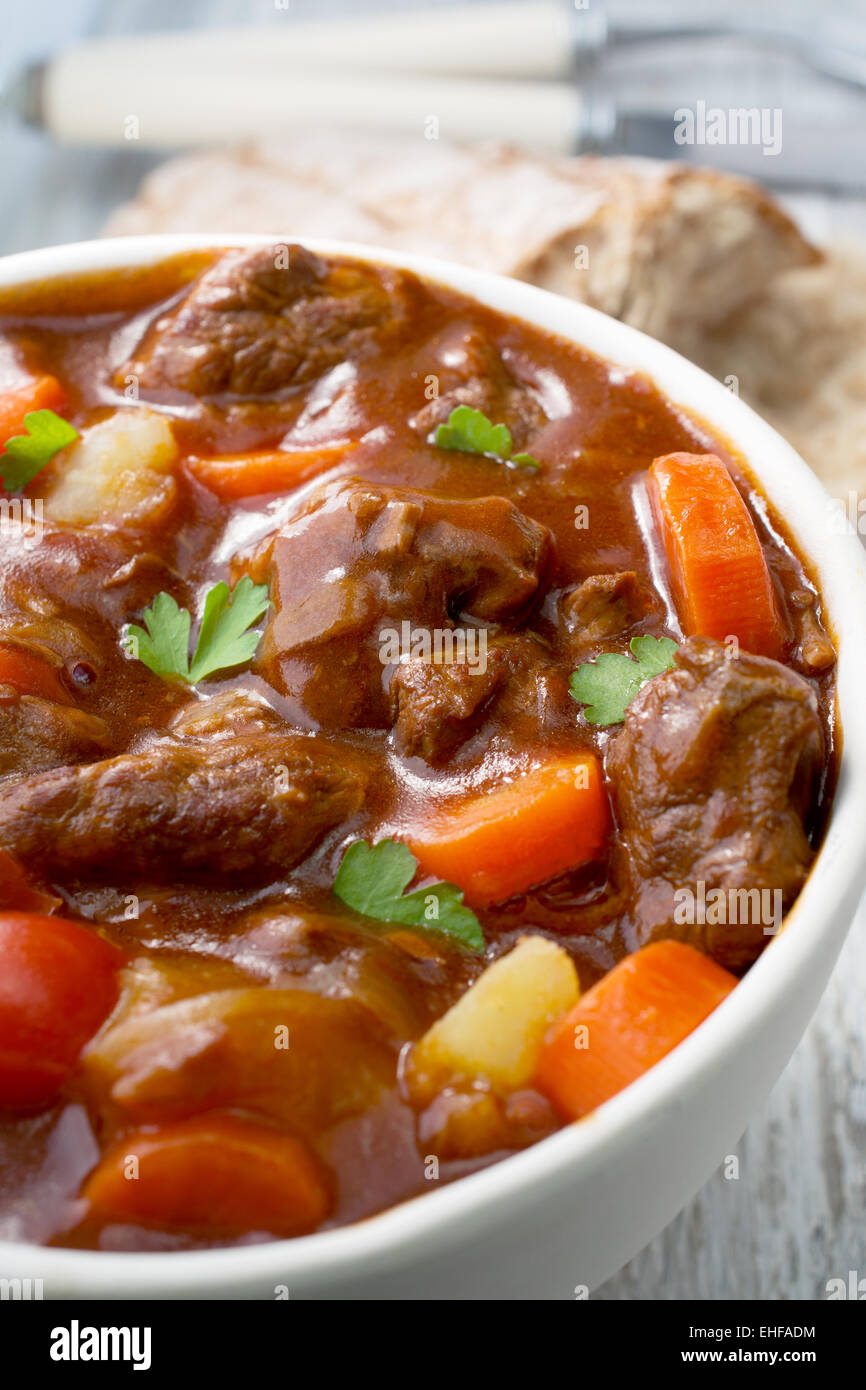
{"type": "Point", "coordinates": [571, 1210]}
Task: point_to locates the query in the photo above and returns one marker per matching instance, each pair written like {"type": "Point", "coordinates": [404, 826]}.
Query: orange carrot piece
{"type": "Point", "coordinates": [214, 1174]}
{"type": "Point", "coordinates": [233, 476]}
{"type": "Point", "coordinates": [42, 393]}
{"type": "Point", "coordinates": [722, 585]}
{"type": "Point", "coordinates": [507, 840]}
{"type": "Point", "coordinates": [30, 674]}
{"type": "Point", "coordinates": [626, 1023]}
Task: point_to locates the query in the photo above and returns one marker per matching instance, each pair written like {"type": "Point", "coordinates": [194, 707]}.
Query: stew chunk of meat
{"type": "Point", "coordinates": [600, 608]}
{"type": "Point", "coordinates": [508, 687]}
{"type": "Point", "coordinates": [712, 776]}
{"type": "Point", "coordinates": [254, 804]}
{"type": "Point", "coordinates": [36, 734]}
{"type": "Point", "coordinates": [437, 707]}
{"type": "Point", "coordinates": [360, 563]}
{"type": "Point", "coordinates": [264, 320]}
{"type": "Point", "coordinates": [471, 372]}
{"type": "Point", "coordinates": [44, 665]}
{"type": "Point", "coordinates": [63, 676]}
{"type": "Point", "coordinates": [93, 575]}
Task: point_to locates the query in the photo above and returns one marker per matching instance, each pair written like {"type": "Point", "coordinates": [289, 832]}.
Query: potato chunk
{"type": "Point", "coordinates": [119, 472]}
{"type": "Point", "coordinates": [496, 1029]}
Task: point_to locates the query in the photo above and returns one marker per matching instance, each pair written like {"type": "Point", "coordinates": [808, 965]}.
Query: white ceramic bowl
{"type": "Point", "coordinates": [570, 1211]}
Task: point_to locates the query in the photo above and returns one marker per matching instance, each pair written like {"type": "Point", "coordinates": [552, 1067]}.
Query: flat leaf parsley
{"type": "Point", "coordinates": [471, 432]}
{"type": "Point", "coordinates": [224, 638]}
{"type": "Point", "coordinates": [607, 685]}
{"type": "Point", "coordinates": [27, 454]}
{"type": "Point", "coordinates": [372, 878]}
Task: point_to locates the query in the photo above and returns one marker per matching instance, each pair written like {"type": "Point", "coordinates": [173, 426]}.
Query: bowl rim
{"type": "Point", "coordinates": [447, 1216]}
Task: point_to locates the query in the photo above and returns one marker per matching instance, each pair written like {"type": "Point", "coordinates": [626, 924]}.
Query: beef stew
{"type": "Point", "coordinates": [411, 727]}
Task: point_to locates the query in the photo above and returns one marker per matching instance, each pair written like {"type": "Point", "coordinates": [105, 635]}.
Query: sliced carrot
{"type": "Point", "coordinates": [504, 841]}
{"type": "Point", "coordinates": [42, 393]}
{"type": "Point", "coordinates": [722, 585]}
{"type": "Point", "coordinates": [232, 476]}
{"type": "Point", "coordinates": [626, 1023]}
{"type": "Point", "coordinates": [30, 674]}
{"type": "Point", "coordinates": [216, 1174]}
{"type": "Point", "coordinates": [18, 891]}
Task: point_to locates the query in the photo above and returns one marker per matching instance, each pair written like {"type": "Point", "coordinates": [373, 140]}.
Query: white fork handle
{"type": "Point", "coordinates": [514, 38]}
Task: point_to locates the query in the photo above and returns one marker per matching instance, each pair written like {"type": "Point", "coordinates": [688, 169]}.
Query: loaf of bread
{"type": "Point", "coordinates": [707, 262]}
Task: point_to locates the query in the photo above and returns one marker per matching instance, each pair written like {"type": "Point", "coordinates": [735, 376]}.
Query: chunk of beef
{"type": "Point", "coordinates": [37, 734]}
{"type": "Point", "coordinates": [263, 320]}
{"type": "Point", "coordinates": [359, 562]}
{"type": "Point", "coordinates": [248, 805]}
{"type": "Point", "coordinates": [437, 707]}
{"type": "Point", "coordinates": [515, 693]}
{"type": "Point", "coordinates": [231, 712]}
{"type": "Point", "coordinates": [64, 600]}
{"type": "Point", "coordinates": [43, 728]}
{"type": "Point", "coordinates": [712, 775]}
{"type": "Point", "coordinates": [470, 371]}
{"type": "Point", "coordinates": [534, 700]}
{"type": "Point", "coordinates": [600, 608]}
{"type": "Point", "coordinates": [83, 574]}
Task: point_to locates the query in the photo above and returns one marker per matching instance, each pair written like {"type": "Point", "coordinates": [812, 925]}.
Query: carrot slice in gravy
{"type": "Point", "coordinates": [626, 1023]}
{"type": "Point", "coordinates": [233, 476]}
{"type": "Point", "coordinates": [42, 393]}
{"type": "Point", "coordinates": [504, 841]}
{"type": "Point", "coordinates": [721, 580]}
{"type": "Point", "coordinates": [215, 1174]}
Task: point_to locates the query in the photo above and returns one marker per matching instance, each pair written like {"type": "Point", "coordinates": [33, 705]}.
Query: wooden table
{"type": "Point", "coordinates": [794, 1216]}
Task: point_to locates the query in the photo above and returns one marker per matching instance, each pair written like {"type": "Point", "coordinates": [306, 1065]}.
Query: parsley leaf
{"type": "Point", "coordinates": [224, 639]}
{"type": "Point", "coordinates": [371, 879]}
{"type": "Point", "coordinates": [164, 647]}
{"type": "Point", "coordinates": [471, 432]}
{"type": "Point", "coordinates": [27, 454]}
{"type": "Point", "coordinates": [607, 685]}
